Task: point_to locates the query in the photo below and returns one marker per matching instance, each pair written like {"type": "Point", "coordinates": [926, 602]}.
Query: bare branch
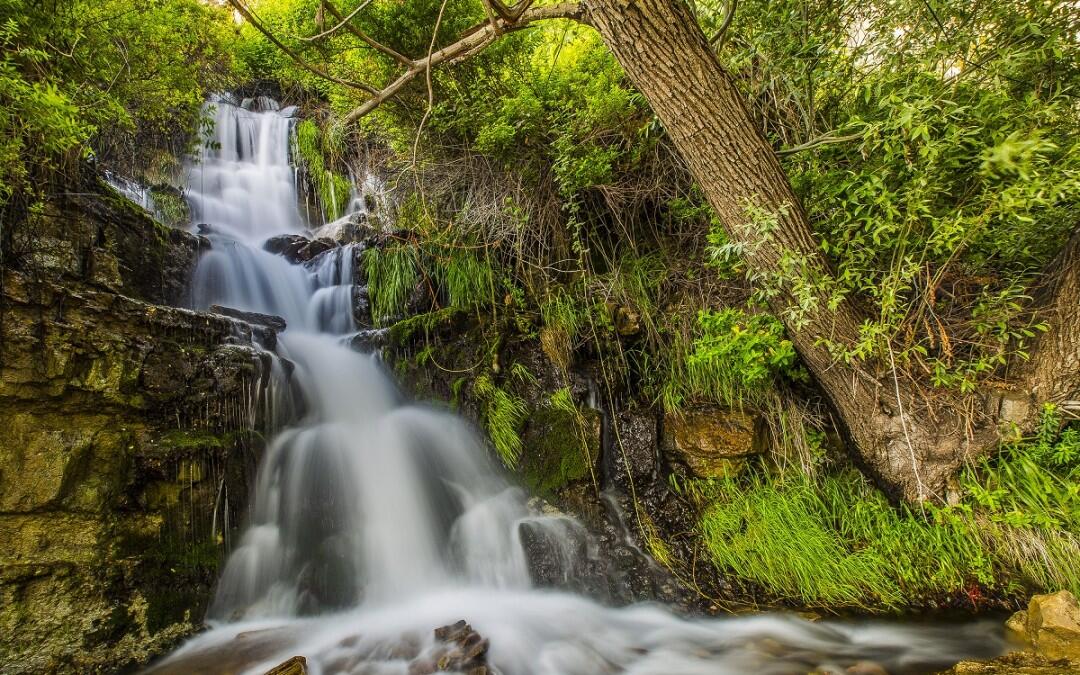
{"type": "Point", "coordinates": [825, 139]}
{"type": "Point", "coordinates": [365, 38]}
{"type": "Point", "coordinates": [718, 37]}
{"type": "Point", "coordinates": [250, 17]}
{"type": "Point", "coordinates": [474, 41]}
{"type": "Point", "coordinates": [340, 24]}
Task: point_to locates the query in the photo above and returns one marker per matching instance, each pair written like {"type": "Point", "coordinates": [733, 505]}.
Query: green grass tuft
{"type": "Point", "coordinates": [503, 413]}
{"type": "Point", "coordinates": [391, 277]}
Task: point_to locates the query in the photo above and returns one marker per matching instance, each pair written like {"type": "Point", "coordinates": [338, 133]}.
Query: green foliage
{"type": "Point", "coordinates": [467, 278]}
{"type": "Point", "coordinates": [836, 542]}
{"type": "Point", "coordinates": [828, 538]}
{"type": "Point", "coordinates": [391, 275]}
{"type": "Point", "coordinates": [74, 75]}
{"type": "Point", "coordinates": [333, 189]}
{"type": "Point", "coordinates": [956, 168]}
{"type": "Point", "coordinates": [503, 415]}
{"type": "Point", "coordinates": [736, 357]}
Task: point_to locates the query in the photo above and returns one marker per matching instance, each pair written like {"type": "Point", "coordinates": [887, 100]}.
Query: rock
{"type": "Point", "coordinates": [562, 448]}
{"type": "Point", "coordinates": [271, 321]}
{"type": "Point", "coordinates": [120, 427]}
{"type": "Point", "coordinates": [287, 246]}
{"type": "Point", "coordinates": [713, 442]}
{"type": "Point", "coordinates": [627, 322]}
{"type": "Point", "coordinates": [866, 668]}
{"type": "Point", "coordinates": [633, 458]}
{"type": "Point", "coordinates": [297, 665]}
{"type": "Point", "coordinates": [1053, 625]}
{"type": "Point", "coordinates": [1016, 626]}
{"type": "Point", "coordinates": [462, 651]}
{"type": "Point", "coordinates": [1017, 663]}
{"type": "Point", "coordinates": [297, 248]}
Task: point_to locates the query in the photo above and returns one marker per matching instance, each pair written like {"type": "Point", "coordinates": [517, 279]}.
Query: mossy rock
{"type": "Point", "coordinates": [559, 449]}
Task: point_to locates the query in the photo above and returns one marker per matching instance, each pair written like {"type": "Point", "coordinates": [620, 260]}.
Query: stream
{"type": "Point", "coordinates": [376, 520]}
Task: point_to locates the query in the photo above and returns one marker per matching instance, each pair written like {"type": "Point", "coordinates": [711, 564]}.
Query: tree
{"type": "Point", "coordinates": [911, 440]}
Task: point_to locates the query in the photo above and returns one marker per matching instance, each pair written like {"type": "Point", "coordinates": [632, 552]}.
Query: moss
{"type": "Point", "coordinates": [402, 332]}
{"type": "Point", "coordinates": [189, 441]}
{"type": "Point", "coordinates": [558, 450]}
{"type": "Point", "coordinates": [171, 207]}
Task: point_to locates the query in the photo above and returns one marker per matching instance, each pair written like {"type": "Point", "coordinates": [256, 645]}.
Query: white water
{"type": "Point", "coordinates": [375, 521]}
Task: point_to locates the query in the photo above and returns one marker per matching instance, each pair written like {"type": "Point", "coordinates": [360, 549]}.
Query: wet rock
{"type": "Point", "coordinates": [297, 665]}
{"type": "Point", "coordinates": [121, 424]}
{"type": "Point", "coordinates": [1017, 663]}
{"type": "Point", "coordinates": [1052, 625]}
{"type": "Point", "coordinates": [631, 458]}
{"type": "Point", "coordinates": [271, 321]}
{"type": "Point", "coordinates": [555, 550]}
{"type": "Point", "coordinates": [296, 248]}
{"type": "Point", "coordinates": [713, 442]}
{"type": "Point", "coordinates": [866, 668]}
{"type": "Point", "coordinates": [462, 650]}
{"type": "Point", "coordinates": [563, 448]}
{"type": "Point", "coordinates": [287, 246]}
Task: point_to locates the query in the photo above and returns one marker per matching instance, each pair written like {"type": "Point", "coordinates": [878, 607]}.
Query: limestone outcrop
{"type": "Point", "coordinates": [123, 463]}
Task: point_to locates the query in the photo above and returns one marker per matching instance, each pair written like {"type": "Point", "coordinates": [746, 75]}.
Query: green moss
{"type": "Point", "coordinates": [402, 332]}
{"type": "Point", "coordinates": [172, 208]}
{"type": "Point", "coordinates": [187, 440]}
{"type": "Point", "coordinates": [557, 453]}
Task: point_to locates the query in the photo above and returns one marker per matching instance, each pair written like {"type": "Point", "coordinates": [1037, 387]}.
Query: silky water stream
{"type": "Point", "coordinates": [376, 521]}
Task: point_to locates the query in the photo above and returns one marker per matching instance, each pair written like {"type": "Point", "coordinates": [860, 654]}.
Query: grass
{"type": "Point", "coordinates": [333, 189]}
{"type": "Point", "coordinates": [832, 540]}
{"type": "Point", "coordinates": [503, 415]}
{"type": "Point", "coordinates": [467, 279]}
{"type": "Point", "coordinates": [391, 275]}
{"type": "Point", "coordinates": [836, 542]}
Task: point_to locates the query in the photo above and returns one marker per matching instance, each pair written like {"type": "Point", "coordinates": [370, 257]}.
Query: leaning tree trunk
{"type": "Point", "coordinates": [909, 444]}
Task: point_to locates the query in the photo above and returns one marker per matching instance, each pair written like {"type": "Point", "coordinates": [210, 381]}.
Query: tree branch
{"type": "Point", "coordinates": [825, 139]}
{"type": "Point", "coordinates": [250, 17]}
{"type": "Point", "coordinates": [341, 23]}
{"type": "Point", "coordinates": [718, 37]}
{"type": "Point", "coordinates": [365, 38]}
{"type": "Point", "coordinates": [475, 40]}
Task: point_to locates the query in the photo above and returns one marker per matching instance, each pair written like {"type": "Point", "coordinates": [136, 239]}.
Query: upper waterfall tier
{"type": "Point", "coordinates": [241, 178]}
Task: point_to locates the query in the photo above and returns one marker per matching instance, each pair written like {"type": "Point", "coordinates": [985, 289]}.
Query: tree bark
{"type": "Point", "coordinates": [910, 444]}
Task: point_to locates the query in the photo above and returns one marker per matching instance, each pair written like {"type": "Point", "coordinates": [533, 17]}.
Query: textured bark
{"type": "Point", "coordinates": [1055, 362]}
{"type": "Point", "coordinates": [910, 446]}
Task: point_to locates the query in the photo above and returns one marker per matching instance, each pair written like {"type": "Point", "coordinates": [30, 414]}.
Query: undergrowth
{"type": "Point", "coordinates": [333, 189]}
{"type": "Point", "coordinates": [503, 415]}
{"type": "Point", "coordinates": [830, 539]}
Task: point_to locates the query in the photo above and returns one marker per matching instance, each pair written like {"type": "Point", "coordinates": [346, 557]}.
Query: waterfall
{"type": "Point", "coordinates": [375, 520]}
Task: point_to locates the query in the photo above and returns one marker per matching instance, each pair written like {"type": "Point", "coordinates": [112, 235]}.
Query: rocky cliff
{"type": "Point", "coordinates": [123, 465]}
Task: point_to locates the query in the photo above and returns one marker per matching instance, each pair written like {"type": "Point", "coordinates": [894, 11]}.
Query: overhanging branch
{"type": "Point", "coordinates": [251, 18]}
{"type": "Point", "coordinates": [475, 40]}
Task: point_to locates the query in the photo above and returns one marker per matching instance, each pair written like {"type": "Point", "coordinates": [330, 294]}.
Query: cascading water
{"type": "Point", "coordinates": [375, 521]}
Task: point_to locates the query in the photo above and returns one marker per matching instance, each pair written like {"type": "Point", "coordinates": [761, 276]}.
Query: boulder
{"type": "Point", "coordinates": [1051, 625]}
{"type": "Point", "coordinates": [287, 245]}
{"type": "Point", "coordinates": [297, 665]}
{"type": "Point", "coordinates": [714, 442]}
{"type": "Point", "coordinates": [1017, 663]}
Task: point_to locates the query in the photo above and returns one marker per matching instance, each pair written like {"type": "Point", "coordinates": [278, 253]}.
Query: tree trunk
{"type": "Point", "coordinates": [908, 443]}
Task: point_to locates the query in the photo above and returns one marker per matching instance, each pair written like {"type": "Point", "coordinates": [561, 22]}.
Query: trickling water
{"type": "Point", "coordinates": [375, 521]}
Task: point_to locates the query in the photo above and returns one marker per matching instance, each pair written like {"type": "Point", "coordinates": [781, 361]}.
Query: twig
{"type": "Point", "coordinates": [250, 17]}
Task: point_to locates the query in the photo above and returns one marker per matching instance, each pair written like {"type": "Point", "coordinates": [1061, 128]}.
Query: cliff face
{"type": "Point", "coordinates": [122, 470]}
